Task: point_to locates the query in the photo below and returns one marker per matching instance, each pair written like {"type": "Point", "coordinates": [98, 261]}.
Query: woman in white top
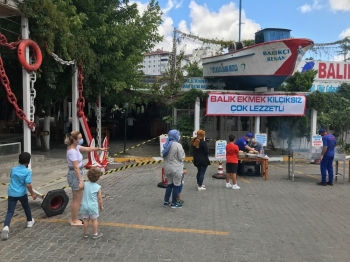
{"type": "Point", "coordinates": [75, 176]}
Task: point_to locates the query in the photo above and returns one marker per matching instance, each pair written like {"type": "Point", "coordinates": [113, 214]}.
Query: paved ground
{"type": "Point", "coordinates": [274, 220]}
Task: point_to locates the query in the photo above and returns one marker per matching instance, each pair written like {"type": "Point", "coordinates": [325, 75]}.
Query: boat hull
{"type": "Point", "coordinates": [263, 65]}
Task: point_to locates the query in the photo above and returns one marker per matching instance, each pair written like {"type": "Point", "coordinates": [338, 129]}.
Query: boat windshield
{"type": "Point", "coordinates": [271, 34]}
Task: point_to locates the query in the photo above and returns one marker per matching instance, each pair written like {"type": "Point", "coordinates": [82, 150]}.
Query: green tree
{"type": "Point", "coordinates": [193, 70]}
{"type": "Point", "coordinates": [292, 127]}
{"type": "Point", "coordinates": [109, 38]}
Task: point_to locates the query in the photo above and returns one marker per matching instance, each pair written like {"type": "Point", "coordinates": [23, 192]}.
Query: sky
{"type": "Point", "coordinates": [322, 21]}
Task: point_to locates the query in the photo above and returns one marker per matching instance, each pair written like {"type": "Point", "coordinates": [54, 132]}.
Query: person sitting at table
{"type": "Point", "coordinates": [256, 146]}
{"type": "Point", "coordinates": [242, 143]}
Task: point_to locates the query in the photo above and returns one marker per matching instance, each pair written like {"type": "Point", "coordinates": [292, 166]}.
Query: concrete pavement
{"type": "Point", "coordinates": [274, 220]}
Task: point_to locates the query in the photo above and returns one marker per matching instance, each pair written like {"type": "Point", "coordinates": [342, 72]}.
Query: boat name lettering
{"type": "Point", "coordinates": [223, 68]}
{"type": "Point", "coordinates": [276, 55]}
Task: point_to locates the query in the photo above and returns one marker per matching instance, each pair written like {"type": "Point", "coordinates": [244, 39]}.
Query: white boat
{"type": "Point", "coordinates": [268, 63]}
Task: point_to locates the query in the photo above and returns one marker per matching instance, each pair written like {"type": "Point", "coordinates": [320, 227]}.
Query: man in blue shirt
{"type": "Point", "coordinates": [327, 157]}
{"type": "Point", "coordinates": [242, 143]}
{"type": "Point", "coordinates": [20, 181]}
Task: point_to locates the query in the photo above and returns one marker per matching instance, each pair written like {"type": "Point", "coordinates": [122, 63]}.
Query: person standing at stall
{"type": "Point", "coordinates": [232, 155]}
{"type": "Point", "coordinates": [242, 143]}
{"type": "Point", "coordinates": [327, 157]}
{"type": "Point", "coordinates": [174, 156]}
{"type": "Point", "coordinates": [257, 146]}
{"type": "Point", "coordinates": [200, 157]}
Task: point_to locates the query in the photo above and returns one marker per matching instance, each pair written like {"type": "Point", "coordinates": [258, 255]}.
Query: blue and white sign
{"type": "Point", "coordinates": [220, 149]}
{"type": "Point", "coordinates": [324, 87]}
{"type": "Point", "coordinates": [202, 83]}
{"type": "Point", "coordinates": [162, 140]}
{"type": "Point", "coordinates": [316, 141]}
{"type": "Point", "coordinates": [261, 138]}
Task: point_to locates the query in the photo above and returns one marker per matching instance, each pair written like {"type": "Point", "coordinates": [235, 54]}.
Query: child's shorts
{"type": "Point", "coordinates": [86, 216]}
{"type": "Point", "coordinates": [181, 186]}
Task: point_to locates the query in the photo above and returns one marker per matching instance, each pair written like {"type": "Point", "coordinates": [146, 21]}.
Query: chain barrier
{"type": "Point", "coordinates": [11, 96]}
{"type": "Point", "coordinates": [207, 139]}
{"type": "Point", "coordinates": [121, 152]}
{"type": "Point", "coordinates": [61, 61]}
{"type": "Point", "coordinates": [12, 45]}
{"type": "Point", "coordinates": [81, 99]}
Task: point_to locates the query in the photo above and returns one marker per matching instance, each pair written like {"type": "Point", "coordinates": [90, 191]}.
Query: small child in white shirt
{"type": "Point", "coordinates": [179, 200]}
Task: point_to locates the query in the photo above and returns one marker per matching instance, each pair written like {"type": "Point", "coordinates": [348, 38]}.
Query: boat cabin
{"type": "Point", "coordinates": [271, 34]}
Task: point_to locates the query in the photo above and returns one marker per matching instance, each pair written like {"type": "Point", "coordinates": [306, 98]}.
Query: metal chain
{"type": "Point", "coordinates": [12, 98]}
{"type": "Point", "coordinates": [61, 61]}
{"type": "Point", "coordinates": [81, 99]}
{"type": "Point", "coordinates": [12, 45]}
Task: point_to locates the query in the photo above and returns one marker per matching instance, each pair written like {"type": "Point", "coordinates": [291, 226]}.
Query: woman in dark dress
{"type": "Point", "coordinates": [200, 157]}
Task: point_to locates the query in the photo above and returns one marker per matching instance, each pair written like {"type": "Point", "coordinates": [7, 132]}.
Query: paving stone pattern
{"type": "Point", "coordinates": [274, 220]}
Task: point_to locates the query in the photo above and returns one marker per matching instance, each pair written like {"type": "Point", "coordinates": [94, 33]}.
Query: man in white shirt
{"type": "Point", "coordinates": [130, 121]}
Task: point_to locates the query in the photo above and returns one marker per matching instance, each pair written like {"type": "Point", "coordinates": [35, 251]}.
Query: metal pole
{"type": "Point", "coordinates": [27, 143]}
{"type": "Point", "coordinates": [257, 125]}
{"type": "Point", "coordinates": [75, 120]}
{"type": "Point", "coordinates": [126, 114]}
{"type": "Point", "coordinates": [240, 21]}
{"type": "Point", "coordinates": [196, 114]}
{"type": "Point", "coordinates": [99, 121]}
{"type": "Point", "coordinates": [313, 126]}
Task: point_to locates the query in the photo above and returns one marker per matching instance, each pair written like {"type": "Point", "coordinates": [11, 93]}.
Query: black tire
{"type": "Point", "coordinates": [55, 202]}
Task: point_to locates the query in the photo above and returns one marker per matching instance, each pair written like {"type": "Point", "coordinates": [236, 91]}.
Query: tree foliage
{"type": "Point", "coordinates": [109, 38]}
{"type": "Point", "coordinates": [292, 127]}
{"type": "Point", "coordinates": [193, 70]}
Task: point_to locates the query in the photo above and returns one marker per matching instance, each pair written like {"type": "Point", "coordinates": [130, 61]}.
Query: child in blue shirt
{"type": "Point", "coordinates": [91, 203]}
{"type": "Point", "coordinates": [20, 181]}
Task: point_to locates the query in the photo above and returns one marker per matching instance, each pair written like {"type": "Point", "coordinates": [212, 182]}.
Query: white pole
{"type": "Point", "coordinates": [313, 130]}
{"type": "Point", "coordinates": [196, 114]}
{"type": "Point", "coordinates": [75, 95]}
{"type": "Point", "coordinates": [257, 125]}
{"type": "Point", "coordinates": [27, 145]}
{"type": "Point", "coordinates": [65, 114]}
{"type": "Point", "coordinates": [99, 120]}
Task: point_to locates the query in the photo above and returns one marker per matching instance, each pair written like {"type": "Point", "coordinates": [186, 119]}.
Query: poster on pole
{"type": "Point", "coordinates": [162, 140]}
{"type": "Point", "coordinates": [261, 138]}
{"type": "Point", "coordinates": [316, 141]}
{"type": "Point", "coordinates": [220, 149]}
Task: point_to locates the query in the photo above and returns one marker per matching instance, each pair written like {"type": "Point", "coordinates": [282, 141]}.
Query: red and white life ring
{"type": "Point", "coordinates": [22, 57]}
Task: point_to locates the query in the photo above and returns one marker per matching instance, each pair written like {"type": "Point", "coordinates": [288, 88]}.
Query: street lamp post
{"type": "Point", "coordinates": [126, 105]}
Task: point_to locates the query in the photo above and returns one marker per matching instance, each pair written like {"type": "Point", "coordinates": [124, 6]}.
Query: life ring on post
{"type": "Point", "coordinates": [22, 55]}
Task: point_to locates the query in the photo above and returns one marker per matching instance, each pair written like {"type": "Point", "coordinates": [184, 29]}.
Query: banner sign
{"type": "Point", "coordinates": [327, 71]}
{"type": "Point", "coordinates": [255, 105]}
{"type": "Point", "coordinates": [162, 140]}
{"type": "Point", "coordinates": [220, 149]}
{"type": "Point", "coordinates": [261, 138]}
{"type": "Point", "coordinates": [316, 141]}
